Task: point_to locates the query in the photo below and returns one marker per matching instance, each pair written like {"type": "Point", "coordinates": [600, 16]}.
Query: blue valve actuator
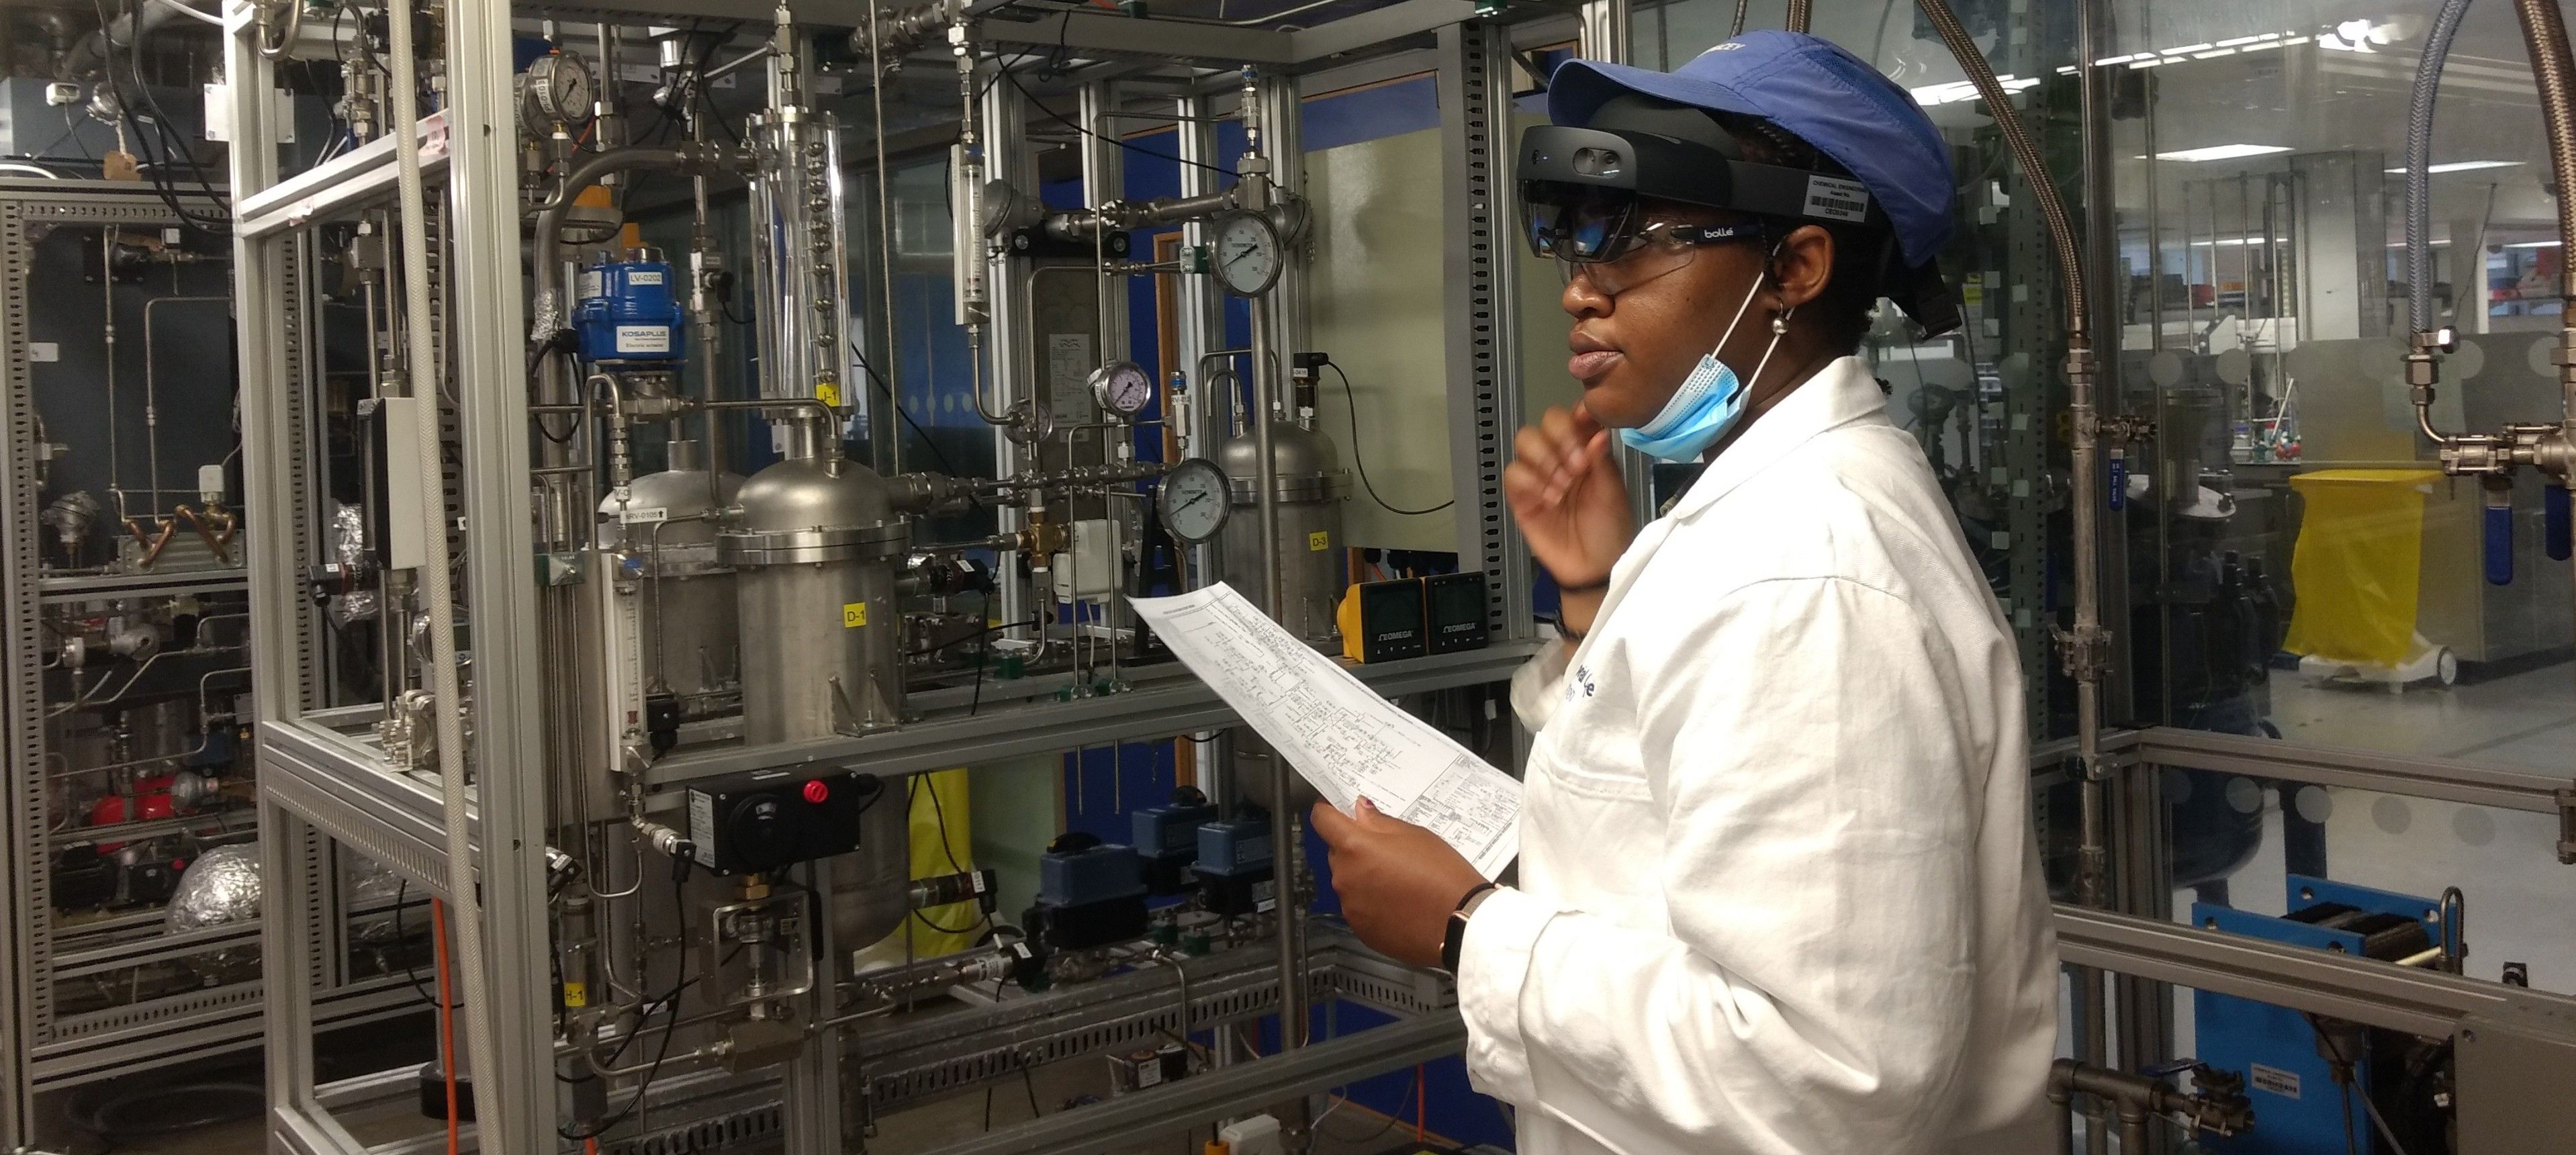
{"type": "Point", "coordinates": [2499, 537]}
{"type": "Point", "coordinates": [2555, 521]}
{"type": "Point", "coordinates": [627, 313]}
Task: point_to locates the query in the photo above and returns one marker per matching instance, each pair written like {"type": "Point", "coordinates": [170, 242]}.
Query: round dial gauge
{"type": "Point", "coordinates": [559, 85]}
{"type": "Point", "coordinates": [1122, 387]}
{"type": "Point", "coordinates": [1194, 500]}
{"type": "Point", "coordinates": [1247, 255]}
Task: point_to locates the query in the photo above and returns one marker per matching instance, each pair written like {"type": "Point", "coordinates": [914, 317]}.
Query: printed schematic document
{"type": "Point", "coordinates": [1347, 740]}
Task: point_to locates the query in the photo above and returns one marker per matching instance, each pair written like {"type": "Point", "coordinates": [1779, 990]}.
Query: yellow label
{"type": "Point", "coordinates": [576, 994]}
{"type": "Point", "coordinates": [1318, 541]}
{"type": "Point", "coordinates": [854, 615]}
{"type": "Point", "coordinates": [829, 392]}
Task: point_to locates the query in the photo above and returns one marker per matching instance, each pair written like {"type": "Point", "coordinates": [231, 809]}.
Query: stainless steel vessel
{"type": "Point", "coordinates": [667, 529]}
{"type": "Point", "coordinates": [1311, 488]}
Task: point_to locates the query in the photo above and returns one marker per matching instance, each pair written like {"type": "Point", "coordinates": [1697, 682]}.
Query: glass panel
{"type": "Point", "coordinates": [1981, 399]}
{"type": "Point", "coordinates": [2300, 567]}
{"type": "Point", "coordinates": [2243, 843]}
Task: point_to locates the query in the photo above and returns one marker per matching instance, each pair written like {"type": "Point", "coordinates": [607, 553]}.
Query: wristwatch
{"type": "Point", "coordinates": [1454, 939]}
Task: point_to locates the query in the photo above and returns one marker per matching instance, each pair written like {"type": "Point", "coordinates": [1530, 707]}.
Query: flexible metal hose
{"type": "Point", "coordinates": [439, 600]}
{"type": "Point", "coordinates": [2052, 208]}
{"type": "Point", "coordinates": [1801, 14]}
{"type": "Point", "coordinates": [2546, 30]}
{"type": "Point", "coordinates": [2419, 163]}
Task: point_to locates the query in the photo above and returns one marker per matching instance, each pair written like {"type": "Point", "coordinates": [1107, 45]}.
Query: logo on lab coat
{"type": "Point", "coordinates": [1580, 682]}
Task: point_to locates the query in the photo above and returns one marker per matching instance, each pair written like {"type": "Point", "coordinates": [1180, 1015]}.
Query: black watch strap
{"type": "Point", "coordinates": [1454, 938]}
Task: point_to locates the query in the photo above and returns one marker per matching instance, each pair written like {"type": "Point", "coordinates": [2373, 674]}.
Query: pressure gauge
{"type": "Point", "coordinates": [1194, 500]}
{"type": "Point", "coordinates": [1247, 254]}
{"type": "Point", "coordinates": [1122, 387]}
{"type": "Point", "coordinates": [558, 91]}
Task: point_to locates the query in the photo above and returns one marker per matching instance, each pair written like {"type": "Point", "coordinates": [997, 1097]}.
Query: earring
{"type": "Point", "coordinates": [1780, 326]}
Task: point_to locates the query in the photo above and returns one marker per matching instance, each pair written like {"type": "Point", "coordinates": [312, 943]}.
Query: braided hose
{"type": "Point", "coordinates": [2052, 208]}
{"type": "Point", "coordinates": [2419, 162]}
{"type": "Point", "coordinates": [1801, 14]}
{"type": "Point", "coordinates": [2546, 31]}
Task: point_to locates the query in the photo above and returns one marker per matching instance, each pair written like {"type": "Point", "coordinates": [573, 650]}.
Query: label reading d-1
{"type": "Point", "coordinates": [1835, 199]}
{"type": "Point", "coordinates": [854, 615]}
{"type": "Point", "coordinates": [2275, 1080]}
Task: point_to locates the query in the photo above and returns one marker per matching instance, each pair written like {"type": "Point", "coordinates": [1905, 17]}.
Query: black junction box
{"type": "Point", "coordinates": [768, 820]}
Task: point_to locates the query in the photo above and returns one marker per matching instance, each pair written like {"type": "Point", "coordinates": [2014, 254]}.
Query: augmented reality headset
{"type": "Point", "coordinates": [1582, 192]}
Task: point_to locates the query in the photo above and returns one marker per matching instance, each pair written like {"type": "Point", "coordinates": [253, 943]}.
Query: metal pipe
{"type": "Point", "coordinates": [152, 394]}
{"type": "Point", "coordinates": [1801, 14]}
{"type": "Point", "coordinates": [423, 376]}
{"type": "Point", "coordinates": [891, 459]}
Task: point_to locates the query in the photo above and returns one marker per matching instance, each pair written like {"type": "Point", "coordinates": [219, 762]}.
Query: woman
{"type": "Point", "coordinates": [1778, 890]}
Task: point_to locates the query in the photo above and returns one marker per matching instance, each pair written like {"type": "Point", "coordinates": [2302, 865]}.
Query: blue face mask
{"type": "Point", "coordinates": [1710, 403]}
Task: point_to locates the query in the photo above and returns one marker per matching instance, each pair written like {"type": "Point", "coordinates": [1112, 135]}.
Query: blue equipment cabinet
{"type": "Point", "coordinates": [2299, 1108]}
{"type": "Point", "coordinates": [627, 314]}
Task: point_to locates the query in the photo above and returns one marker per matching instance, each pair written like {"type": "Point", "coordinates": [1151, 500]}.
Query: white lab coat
{"type": "Point", "coordinates": [1778, 887]}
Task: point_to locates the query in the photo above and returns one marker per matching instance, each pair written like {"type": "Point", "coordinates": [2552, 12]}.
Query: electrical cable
{"type": "Point", "coordinates": [669, 1002]}
{"type": "Point", "coordinates": [939, 812]}
{"type": "Point", "coordinates": [985, 632]}
{"type": "Point", "coordinates": [170, 138]}
{"type": "Point", "coordinates": [1353, 413]}
{"type": "Point", "coordinates": [1137, 149]}
{"type": "Point", "coordinates": [446, 1019]}
{"type": "Point", "coordinates": [888, 389]}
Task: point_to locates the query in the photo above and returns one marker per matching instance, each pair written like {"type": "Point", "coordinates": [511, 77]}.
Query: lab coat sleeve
{"type": "Point", "coordinates": [1812, 756]}
{"type": "Point", "coordinates": [1536, 685]}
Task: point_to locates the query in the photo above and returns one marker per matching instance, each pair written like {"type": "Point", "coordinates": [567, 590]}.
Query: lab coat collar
{"type": "Point", "coordinates": [1839, 394]}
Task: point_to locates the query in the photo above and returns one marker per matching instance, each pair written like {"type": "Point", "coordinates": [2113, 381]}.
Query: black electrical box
{"type": "Point", "coordinates": [769, 820]}
{"type": "Point", "coordinates": [1390, 621]}
{"type": "Point", "coordinates": [1453, 606]}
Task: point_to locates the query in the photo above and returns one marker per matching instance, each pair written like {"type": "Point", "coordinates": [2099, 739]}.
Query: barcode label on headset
{"type": "Point", "coordinates": [1840, 200]}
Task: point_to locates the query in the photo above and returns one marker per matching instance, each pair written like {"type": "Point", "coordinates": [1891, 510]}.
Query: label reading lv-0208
{"type": "Point", "coordinates": [1833, 199]}
{"type": "Point", "coordinates": [643, 338]}
{"type": "Point", "coordinates": [644, 277]}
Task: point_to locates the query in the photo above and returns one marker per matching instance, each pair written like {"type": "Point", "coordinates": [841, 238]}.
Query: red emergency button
{"type": "Point", "coordinates": [816, 792]}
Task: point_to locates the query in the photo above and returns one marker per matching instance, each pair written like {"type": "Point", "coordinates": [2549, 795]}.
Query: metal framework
{"type": "Point", "coordinates": [325, 780]}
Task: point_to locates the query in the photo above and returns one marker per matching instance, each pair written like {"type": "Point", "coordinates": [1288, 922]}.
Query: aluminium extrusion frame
{"type": "Point", "coordinates": [333, 782]}
{"type": "Point", "coordinates": [481, 184]}
{"type": "Point", "coordinates": [42, 1051]}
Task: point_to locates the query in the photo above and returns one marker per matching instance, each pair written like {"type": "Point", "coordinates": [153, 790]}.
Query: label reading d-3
{"type": "Point", "coordinates": [2277, 1081]}
{"type": "Point", "coordinates": [1833, 199]}
{"type": "Point", "coordinates": [643, 338]}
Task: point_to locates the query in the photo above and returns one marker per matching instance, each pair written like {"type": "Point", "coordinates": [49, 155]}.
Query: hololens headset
{"type": "Point", "coordinates": [1582, 192]}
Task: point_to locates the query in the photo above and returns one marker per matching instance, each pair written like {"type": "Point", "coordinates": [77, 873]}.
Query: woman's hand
{"type": "Point", "coordinates": [1398, 882]}
{"type": "Point", "coordinates": [1567, 494]}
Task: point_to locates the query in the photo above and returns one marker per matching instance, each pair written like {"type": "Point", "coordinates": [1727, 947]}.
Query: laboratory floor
{"type": "Point", "coordinates": [2525, 720]}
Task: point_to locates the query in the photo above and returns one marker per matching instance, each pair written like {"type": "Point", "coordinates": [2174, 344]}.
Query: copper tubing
{"type": "Point", "coordinates": [153, 543]}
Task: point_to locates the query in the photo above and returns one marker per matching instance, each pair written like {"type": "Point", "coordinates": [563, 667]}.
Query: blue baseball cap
{"type": "Point", "coordinates": [1817, 92]}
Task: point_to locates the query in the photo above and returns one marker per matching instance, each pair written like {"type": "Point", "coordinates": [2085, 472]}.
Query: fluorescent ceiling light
{"type": "Point", "coordinates": [2462, 166]}
{"type": "Point", "coordinates": [2224, 241]}
{"type": "Point", "coordinates": [1958, 90]}
{"type": "Point", "coordinates": [2533, 245]}
{"type": "Point", "coordinates": [2223, 152]}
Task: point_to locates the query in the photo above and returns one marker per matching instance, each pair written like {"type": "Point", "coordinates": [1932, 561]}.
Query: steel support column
{"type": "Point", "coordinates": [1478, 265]}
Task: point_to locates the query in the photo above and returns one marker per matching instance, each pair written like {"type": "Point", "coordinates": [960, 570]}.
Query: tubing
{"type": "Point", "coordinates": [2545, 29]}
{"type": "Point", "coordinates": [1801, 13]}
{"type": "Point", "coordinates": [436, 596]}
{"type": "Point", "coordinates": [2419, 162]}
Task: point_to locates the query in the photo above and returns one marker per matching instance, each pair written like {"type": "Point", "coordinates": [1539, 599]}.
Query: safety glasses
{"type": "Point", "coordinates": [1605, 236]}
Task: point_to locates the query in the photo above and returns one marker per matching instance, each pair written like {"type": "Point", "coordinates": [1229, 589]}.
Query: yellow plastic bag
{"type": "Point", "coordinates": [2358, 564]}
